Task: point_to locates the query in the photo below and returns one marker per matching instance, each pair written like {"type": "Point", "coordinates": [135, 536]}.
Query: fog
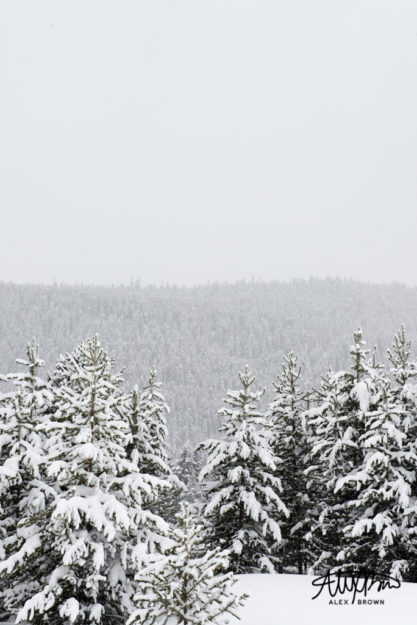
{"type": "Point", "coordinates": [193, 141]}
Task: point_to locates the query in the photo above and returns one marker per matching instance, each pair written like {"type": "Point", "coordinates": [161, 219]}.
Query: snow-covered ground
{"type": "Point", "coordinates": [287, 600]}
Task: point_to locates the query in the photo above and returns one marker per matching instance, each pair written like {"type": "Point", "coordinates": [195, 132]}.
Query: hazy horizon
{"type": "Point", "coordinates": [140, 284]}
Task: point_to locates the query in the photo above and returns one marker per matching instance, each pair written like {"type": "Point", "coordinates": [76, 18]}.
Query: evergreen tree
{"type": "Point", "coordinates": [336, 425]}
{"type": "Point", "coordinates": [244, 508]}
{"type": "Point", "coordinates": [139, 446]}
{"type": "Point", "coordinates": [404, 372]}
{"type": "Point", "coordinates": [404, 390]}
{"type": "Point", "coordinates": [99, 527]}
{"type": "Point", "coordinates": [376, 538]}
{"type": "Point", "coordinates": [24, 491]}
{"type": "Point", "coordinates": [148, 444]}
{"type": "Point", "coordinates": [289, 446]}
{"type": "Point", "coordinates": [403, 369]}
{"type": "Point", "coordinates": [186, 587]}
{"type": "Point", "coordinates": [148, 428]}
{"type": "Point", "coordinates": [155, 408]}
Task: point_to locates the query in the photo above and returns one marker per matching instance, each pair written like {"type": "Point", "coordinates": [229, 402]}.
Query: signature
{"type": "Point", "coordinates": [356, 583]}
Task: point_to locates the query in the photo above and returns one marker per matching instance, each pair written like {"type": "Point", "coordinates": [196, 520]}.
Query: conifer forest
{"type": "Point", "coordinates": [108, 517]}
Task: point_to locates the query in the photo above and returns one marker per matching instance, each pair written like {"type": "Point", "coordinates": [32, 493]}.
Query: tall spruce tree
{"type": "Point", "coordinates": [337, 424]}
{"type": "Point", "coordinates": [148, 427]}
{"type": "Point", "coordinates": [289, 445]}
{"type": "Point", "coordinates": [187, 586]}
{"type": "Point", "coordinates": [403, 369]}
{"type": "Point", "coordinates": [24, 492]}
{"type": "Point", "coordinates": [376, 536]}
{"type": "Point", "coordinates": [404, 388]}
{"type": "Point", "coordinates": [244, 510]}
{"type": "Point", "coordinates": [139, 446]}
{"type": "Point", "coordinates": [148, 445]}
{"type": "Point", "coordinates": [99, 529]}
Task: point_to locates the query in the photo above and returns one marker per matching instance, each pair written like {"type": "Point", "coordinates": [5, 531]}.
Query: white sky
{"type": "Point", "coordinates": [185, 141]}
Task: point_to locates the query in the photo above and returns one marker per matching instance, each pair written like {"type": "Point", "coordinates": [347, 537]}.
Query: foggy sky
{"type": "Point", "coordinates": [193, 141]}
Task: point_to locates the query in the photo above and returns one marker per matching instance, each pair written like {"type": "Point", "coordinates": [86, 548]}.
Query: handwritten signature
{"type": "Point", "coordinates": [355, 583]}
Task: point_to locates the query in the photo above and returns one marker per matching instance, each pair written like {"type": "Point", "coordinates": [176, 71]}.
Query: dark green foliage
{"type": "Point", "coordinates": [289, 444]}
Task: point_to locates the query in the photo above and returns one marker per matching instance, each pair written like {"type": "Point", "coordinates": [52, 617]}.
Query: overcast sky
{"type": "Point", "coordinates": [193, 141]}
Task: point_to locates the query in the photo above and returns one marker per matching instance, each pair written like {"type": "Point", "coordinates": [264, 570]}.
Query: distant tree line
{"type": "Point", "coordinates": [198, 338]}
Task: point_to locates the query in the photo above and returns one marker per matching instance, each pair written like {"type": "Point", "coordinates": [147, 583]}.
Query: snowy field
{"type": "Point", "coordinates": [286, 600]}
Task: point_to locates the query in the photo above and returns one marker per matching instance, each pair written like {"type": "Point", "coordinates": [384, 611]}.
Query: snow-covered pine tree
{"type": "Point", "coordinates": [148, 443]}
{"type": "Point", "coordinates": [187, 587]}
{"type": "Point", "coordinates": [289, 445]}
{"type": "Point", "coordinates": [99, 528]}
{"type": "Point", "coordinates": [148, 426]}
{"type": "Point", "coordinates": [24, 492]}
{"type": "Point", "coordinates": [404, 388]}
{"type": "Point", "coordinates": [377, 538]}
{"type": "Point", "coordinates": [403, 369]}
{"type": "Point", "coordinates": [336, 425]}
{"type": "Point", "coordinates": [139, 445]}
{"type": "Point", "coordinates": [62, 373]}
{"type": "Point", "coordinates": [244, 509]}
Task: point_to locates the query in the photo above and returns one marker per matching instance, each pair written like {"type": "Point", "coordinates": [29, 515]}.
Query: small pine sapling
{"type": "Point", "coordinates": [186, 586]}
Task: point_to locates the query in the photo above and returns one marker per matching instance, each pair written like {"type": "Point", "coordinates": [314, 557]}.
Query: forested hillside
{"type": "Point", "coordinates": [199, 338]}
